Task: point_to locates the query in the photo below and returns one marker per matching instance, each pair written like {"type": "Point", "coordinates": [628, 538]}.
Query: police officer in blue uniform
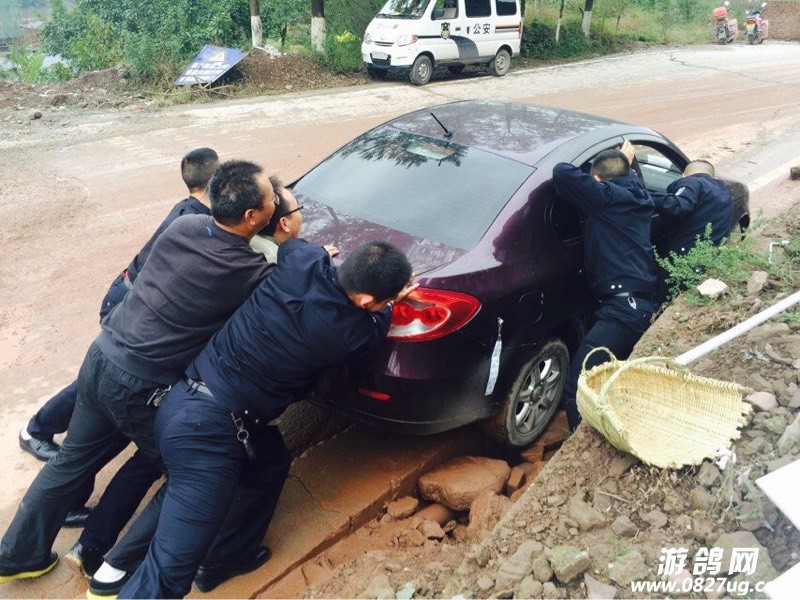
{"type": "Point", "coordinates": [690, 205]}
{"type": "Point", "coordinates": [621, 270]}
{"type": "Point", "coordinates": [225, 461]}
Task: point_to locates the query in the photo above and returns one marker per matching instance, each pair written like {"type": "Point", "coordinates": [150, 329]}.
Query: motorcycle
{"type": "Point", "coordinates": [757, 27]}
{"type": "Point", "coordinates": [726, 29]}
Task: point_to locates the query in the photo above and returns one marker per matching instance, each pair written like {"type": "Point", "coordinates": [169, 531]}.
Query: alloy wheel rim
{"type": "Point", "coordinates": [537, 396]}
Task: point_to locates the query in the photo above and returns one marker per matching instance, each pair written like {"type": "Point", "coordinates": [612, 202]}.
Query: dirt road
{"type": "Point", "coordinates": [82, 192]}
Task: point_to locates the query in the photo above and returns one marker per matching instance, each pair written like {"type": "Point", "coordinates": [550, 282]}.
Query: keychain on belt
{"type": "Point", "coordinates": [244, 437]}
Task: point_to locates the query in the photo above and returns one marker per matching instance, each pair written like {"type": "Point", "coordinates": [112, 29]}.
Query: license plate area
{"type": "Point", "coordinates": [380, 55]}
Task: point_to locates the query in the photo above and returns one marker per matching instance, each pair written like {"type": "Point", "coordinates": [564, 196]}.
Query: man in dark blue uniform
{"type": "Point", "coordinates": [199, 272]}
{"type": "Point", "coordinates": [690, 205]}
{"type": "Point", "coordinates": [621, 271]}
{"type": "Point", "coordinates": [225, 461]}
{"type": "Point", "coordinates": [130, 484]}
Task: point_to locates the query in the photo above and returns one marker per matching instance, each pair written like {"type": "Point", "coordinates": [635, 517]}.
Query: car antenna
{"type": "Point", "coordinates": [447, 133]}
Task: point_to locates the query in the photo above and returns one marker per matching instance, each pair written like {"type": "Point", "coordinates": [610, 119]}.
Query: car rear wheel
{"type": "Point", "coordinates": [421, 70]}
{"type": "Point", "coordinates": [533, 398]}
{"type": "Point", "coordinates": [501, 63]}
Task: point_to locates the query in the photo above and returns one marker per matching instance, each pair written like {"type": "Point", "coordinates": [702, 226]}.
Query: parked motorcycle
{"type": "Point", "coordinates": [757, 27]}
{"type": "Point", "coordinates": [726, 29]}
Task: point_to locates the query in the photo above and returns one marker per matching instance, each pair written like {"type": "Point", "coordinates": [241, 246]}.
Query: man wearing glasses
{"type": "Point", "coordinates": [284, 225]}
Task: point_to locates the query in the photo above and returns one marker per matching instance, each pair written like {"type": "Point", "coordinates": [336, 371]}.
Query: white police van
{"type": "Point", "coordinates": [414, 36]}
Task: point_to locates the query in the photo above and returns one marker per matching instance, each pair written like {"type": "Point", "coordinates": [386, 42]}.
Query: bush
{"type": "Point", "coordinates": [539, 41]}
{"type": "Point", "coordinates": [351, 15]}
{"type": "Point", "coordinates": [30, 67]}
{"type": "Point", "coordinates": [343, 53]}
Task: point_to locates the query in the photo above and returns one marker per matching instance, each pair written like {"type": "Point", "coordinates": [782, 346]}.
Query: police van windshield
{"type": "Point", "coordinates": [404, 9]}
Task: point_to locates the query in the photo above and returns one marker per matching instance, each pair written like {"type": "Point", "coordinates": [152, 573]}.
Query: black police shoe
{"type": "Point", "coordinates": [12, 574]}
{"type": "Point", "coordinates": [207, 578]}
{"type": "Point", "coordinates": [84, 560]}
{"type": "Point", "coordinates": [76, 518]}
{"type": "Point", "coordinates": [103, 590]}
{"type": "Point", "coordinates": [42, 449]}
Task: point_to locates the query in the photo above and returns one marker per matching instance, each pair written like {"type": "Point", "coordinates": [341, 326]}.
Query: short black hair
{"type": "Point", "coordinates": [610, 164]}
{"type": "Point", "coordinates": [281, 206]}
{"type": "Point", "coordinates": [197, 168]}
{"type": "Point", "coordinates": [234, 190]}
{"type": "Point", "coordinates": [375, 268]}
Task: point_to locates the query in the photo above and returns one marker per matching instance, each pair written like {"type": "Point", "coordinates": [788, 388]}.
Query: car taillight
{"type": "Point", "coordinates": [427, 314]}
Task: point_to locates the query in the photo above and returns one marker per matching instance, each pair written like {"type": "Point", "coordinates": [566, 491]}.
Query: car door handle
{"type": "Point", "coordinates": [458, 28]}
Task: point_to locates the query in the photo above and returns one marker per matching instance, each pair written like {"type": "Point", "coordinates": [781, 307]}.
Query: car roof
{"type": "Point", "coordinates": [519, 131]}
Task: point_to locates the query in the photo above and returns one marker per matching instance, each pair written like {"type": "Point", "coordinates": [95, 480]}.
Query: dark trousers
{"type": "Point", "coordinates": [218, 504]}
{"type": "Point", "coordinates": [619, 324]}
{"type": "Point", "coordinates": [111, 410]}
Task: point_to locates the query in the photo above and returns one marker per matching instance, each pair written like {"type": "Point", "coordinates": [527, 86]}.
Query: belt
{"type": "Point", "coordinates": [126, 280]}
{"type": "Point", "coordinates": [640, 295]}
{"type": "Point", "coordinates": [202, 388]}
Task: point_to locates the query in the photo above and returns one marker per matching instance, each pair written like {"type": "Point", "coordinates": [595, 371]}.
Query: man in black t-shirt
{"type": "Point", "coordinates": [198, 273]}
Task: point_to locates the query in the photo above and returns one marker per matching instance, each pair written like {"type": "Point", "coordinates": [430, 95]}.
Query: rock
{"type": "Point", "coordinates": [700, 499]}
{"type": "Point", "coordinates": [402, 508]}
{"type": "Point", "coordinates": [379, 588]}
{"type": "Point", "coordinates": [753, 446]}
{"type": "Point", "coordinates": [485, 583]}
{"type": "Point", "coordinates": [596, 590]}
{"type": "Point", "coordinates": [773, 354]}
{"type": "Point", "coordinates": [549, 590]}
{"type": "Point", "coordinates": [458, 482]}
{"type": "Point", "coordinates": [713, 288]}
{"type": "Point", "coordinates": [677, 579]}
{"type": "Point", "coordinates": [515, 480]}
{"type": "Point", "coordinates": [529, 588]}
{"type": "Point", "coordinates": [601, 501]}
{"type": "Point", "coordinates": [531, 469]}
{"type": "Point", "coordinates": [518, 565]}
{"type": "Point", "coordinates": [794, 173]}
{"type": "Point", "coordinates": [738, 540]}
{"type": "Point", "coordinates": [766, 332]}
{"type": "Point", "coordinates": [763, 401]}
{"type": "Point", "coordinates": [485, 512]}
{"type": "Point", "coordinates": [708, 475]}
{"type": "Point", "coordinates": [794, 402]}
{"type": "Point", "coordinates": [36, 114]}
{"type": "Point", "coordinates": [568, 562]}
{"type": "Point", "coordinates": [790, 437]}
{"type": "Point", "coordinates": [757, 382]}
{"type": "Point", "coordinates": [406, 592]}
{"type": "Point", "coordinates": [316, 573]}
{"type": "Point", "coordinates": [756, 282]}
{"type": "Point", "coordinates": [587, 517]}
{"type": "Point", "coordinates": [627, 568]}
{"type": "Point", "coordinates": [410, 538]}
{"type": "Point", "coordinates": [541, 570]}
{"type": "Point", "coordinates": [431, 530]}
{"type": "Point", "coordinates": [654, 518]}
{"type": "Point", "coordinates": [776, 424]}
{"type": "Point", "coordinates": [624, 527]}
{"type": "Point", "coordinates": [621, 464]}
{"type": "Point", "coordinates": [764, 571]}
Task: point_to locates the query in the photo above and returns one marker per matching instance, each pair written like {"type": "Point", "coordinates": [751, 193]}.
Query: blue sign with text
{"type": "Point", "coordinates": [211, 63]}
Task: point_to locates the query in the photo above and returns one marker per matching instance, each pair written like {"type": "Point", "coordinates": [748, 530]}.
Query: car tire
{"type": "Point", "coordinates": [456, 69]}
{"type": "Point", "coordinates": [421, 70]}
{"type": "Point", "coordinates": [501, 63]}
{"type": "Point", "coordinates": [533, 398]}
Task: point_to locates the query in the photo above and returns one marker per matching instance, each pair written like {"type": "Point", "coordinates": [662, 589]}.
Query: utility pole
{"type": "Point", "coordinates": [587, 17]}
{"type": "Point", "coordinates": [255, 24]}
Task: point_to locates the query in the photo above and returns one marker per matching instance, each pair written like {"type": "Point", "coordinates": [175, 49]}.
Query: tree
{"type": "Point", "coordinates": [318, 30]}
{"type": "Point", "coordinates": [587, 17]}
{"type": "Point", "coordinates": [255, 24]}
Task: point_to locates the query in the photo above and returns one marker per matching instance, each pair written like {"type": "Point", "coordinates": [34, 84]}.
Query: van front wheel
{"type": "Point", "coordinates": [421, 70]}
{"type": "Point", "coordinates": [501, 63]}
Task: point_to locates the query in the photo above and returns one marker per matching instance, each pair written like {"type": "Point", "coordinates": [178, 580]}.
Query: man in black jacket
{"type": "Point", "coordinates": [621, 271]}
{"type": "Point", "coordinates": [226, 474]}
{"type": "Point", "coordinates": [690, 205]}
{"type": "Point", "coordinates": [199, 272]}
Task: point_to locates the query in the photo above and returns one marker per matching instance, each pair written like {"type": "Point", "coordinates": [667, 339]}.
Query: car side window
{"type": "Point", "coordinates": [656, 169]}
{"type": "Point", "coordinates": [506, 8]}
{"type": "Point", "coordinates": [478, 8]}
{"type": "Point", "coordinates": [445, 9]}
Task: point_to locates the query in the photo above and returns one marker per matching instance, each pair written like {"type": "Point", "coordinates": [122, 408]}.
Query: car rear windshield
{"type": "Point", "coordinates": [422, 186]}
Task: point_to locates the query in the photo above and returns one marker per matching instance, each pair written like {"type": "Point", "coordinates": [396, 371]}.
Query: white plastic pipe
{"type": "Point", "coordinates": [738, 330]}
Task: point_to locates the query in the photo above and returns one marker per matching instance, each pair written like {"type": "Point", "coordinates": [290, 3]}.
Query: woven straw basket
{"type": "Point", "coordinates": [667, 417]}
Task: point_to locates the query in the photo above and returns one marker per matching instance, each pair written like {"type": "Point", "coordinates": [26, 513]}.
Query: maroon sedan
{"type": "Point", "coordinates": [465, 190]}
